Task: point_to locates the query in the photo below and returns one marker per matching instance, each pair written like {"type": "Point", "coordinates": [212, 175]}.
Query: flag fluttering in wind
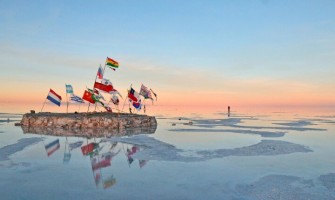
{"type": "Point", "coordinates": [154, 94]}
{"type": "Point", "coordinates": [145, 92]}
{"type": "Point", "coordinates": [112, 63]}
{"type": "Point", "coordinates": [52, 147]}
{"type": "Point", "coordinates": [77, 99]}
{"type": "Point", "coordinates": [88, 97]}
{"type": "Point", "coordinates": [133, 95]}
{"type": "Point", "coordinates": [115, 99]}
{"type": "Point", "coordinates": [105, 85]}
{"type": "Point", "coordinates": [54, 97]}
{"type": "Point", "coordinates": [100, 72]}
{"type": "Point", "coordinates": [134, 98]}
{"type": "Point", "coordinates": [69, 89]}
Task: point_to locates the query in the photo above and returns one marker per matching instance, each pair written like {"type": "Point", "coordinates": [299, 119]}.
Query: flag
{"type": "Point", "coordinates": [52, 147]}
{"type": "Point", "coordinates": [109, 182]}
{"type": "Point", "coordinates": [108, 109]}
{"type": "Point", "coordinates": [115, 99]}
{"type": "Point", "coordinates": [137, 105]}
{"type": "Point", "coordinates": [75, 145]}
{"type": "Point", "coordinates": [145, 92]}
{"type": "Point", "coordinates": [154, 93]}
{"type": "Point", "coordinates": [76, 99]}
{"type": "Point", "coordinates": [100, 73]}
{"type": "Point", "coordinates": [105, 85]}
{"type": "Point", "coordinates": [88, 97]}
{"type": "Point", "coordinates": [69, 89]}
{"type": "Point", "coordinates": [133, 95]}
{"type": "Point", "coordinates": [112, 63]}
{"type": "Point", "coordinates": [115, 92]}
{"type": "Point", "coordinates": [54, 97]}
{"type": "Point", "coordinates": [101, 161]}
{"type": "Point", "coordinates": [89, 148]}
{"type": "Point", "coordinates": [96, 98]}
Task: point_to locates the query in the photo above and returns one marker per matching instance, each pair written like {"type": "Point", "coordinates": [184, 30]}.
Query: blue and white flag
{"type": "Point", "coordinates": [69, 89]}
{"type": "Point", "coordinates": [77, 99]}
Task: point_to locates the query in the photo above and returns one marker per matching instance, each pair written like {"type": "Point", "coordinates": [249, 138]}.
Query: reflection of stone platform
{"type": "Point", "coordinates": [88, 124]}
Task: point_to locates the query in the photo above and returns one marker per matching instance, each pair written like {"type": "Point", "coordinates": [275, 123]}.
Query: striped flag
{"type": "Point", "coordinates": [76, 99]}
{"type": "Point", "coordinates": [52, 147]}
{"type": "Point", "coordinates": [54, 97]}
{"type": "Point", "coordinates": [112, 63]}
{"type": "Point", "coordinates": [100, 73]}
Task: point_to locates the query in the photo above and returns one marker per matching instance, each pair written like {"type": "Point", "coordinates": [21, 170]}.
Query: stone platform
{"type": "Point", "coordinates": [88, 124]}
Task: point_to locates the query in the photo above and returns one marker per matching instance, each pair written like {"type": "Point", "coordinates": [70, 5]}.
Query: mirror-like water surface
{"type": "Point", "coordinates": [271, 155]}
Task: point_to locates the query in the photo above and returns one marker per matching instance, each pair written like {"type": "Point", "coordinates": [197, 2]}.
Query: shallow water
{"type": "Point", "coordinates": [249, 155]}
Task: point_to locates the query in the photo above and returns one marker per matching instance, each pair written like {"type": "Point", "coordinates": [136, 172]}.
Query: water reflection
{"type": "Point", "coordinates": [88, 132]}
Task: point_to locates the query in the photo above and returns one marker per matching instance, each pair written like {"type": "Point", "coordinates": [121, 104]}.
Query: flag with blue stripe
{"type": "Point", "coordinates": [54, 97]}
{"type": "Point", "coordinates": [76, 99]}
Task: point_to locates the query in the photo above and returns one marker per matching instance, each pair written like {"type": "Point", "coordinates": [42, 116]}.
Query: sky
{"type": "Point", "coordinates": [191, 53]}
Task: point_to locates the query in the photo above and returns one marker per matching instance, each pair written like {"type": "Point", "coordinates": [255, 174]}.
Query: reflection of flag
{"type": "Point", "coordinates": [112, 63]}
{"type": "Point", "coordinates": [76, 99]}
{"type": "Point", "coordinates": [145, 92]}
{"type": "Point", "coordinates": [89, 148]}
{"type": "Point", "coordinates": [52, 147]}
{"type": "Point", "coordinates": [101, 161]}
{"type": "Point", "coordinates": [100, 73]}
{"type": "Point", "coordinates": [88, 97]}
{"type": "Point", "coordinates": [109, 182]}
{"type": "Point", "coordinates": [54, 97]}
{"type": "Point", "coordinates": [142, 163]}
{"type": "Point", "coordinates": [66, 158]}
{"type": "Point", "coordinates": [75, 145]}
{"type": "Point", "coordinates": [69, 89]}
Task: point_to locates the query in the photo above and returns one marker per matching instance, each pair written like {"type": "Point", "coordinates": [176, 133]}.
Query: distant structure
{"type": "Point", "coordinates": [228, 111]}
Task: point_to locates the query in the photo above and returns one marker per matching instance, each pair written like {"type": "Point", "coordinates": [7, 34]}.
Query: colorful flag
{"type": "Point", "coordinates": [115, 92]}
{"type": "Point", "coordinates": [145, 92]}
{"type": "Point", "coordinates": [154, 93]}
{"type": "Point", "coordinates": [69, 89]}
{"type": "Point", "coordinates": [54, 97]}
{"type": "Point", "coordinates": [97, 99]}
{"type": "Point", "coordinates": [52, 147]}
{"type": "Point", "coordinates": [100, 72]}
{"type": "Point", "coordinates": [115, 99]}
{"type": "Point", "coordinates": [109, 182]}
{"type": "Point", "coordinates": [112, 63]}
{"type": "Point", "coordinates": [108, 109]}
{"type": "Point", "coordinates": [133, 95]}
{"type": "Point", "coordinates": [137, 105]}
{"type": "Point", "coordinates": [89, 148]}
{"type": "Point", "coordinates": [88, 97]}
{"type": "Point", "coordinates": [101, 161]}
{"type": "Point", "coordinates": [76, 99]}
{"type": "Point", "coordinates": [105, 85]}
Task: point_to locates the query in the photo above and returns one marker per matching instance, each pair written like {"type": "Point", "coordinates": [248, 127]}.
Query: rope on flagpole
{"type": "Point", "coordinates": [43, 105]}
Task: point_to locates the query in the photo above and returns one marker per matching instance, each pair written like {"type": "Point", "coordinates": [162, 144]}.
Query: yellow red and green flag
{"type": "Point", "coordinates": [112, 63]}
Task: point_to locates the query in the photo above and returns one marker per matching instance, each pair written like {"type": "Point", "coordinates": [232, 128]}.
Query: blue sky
{"type": "Point", "coordinates": [174, 46]}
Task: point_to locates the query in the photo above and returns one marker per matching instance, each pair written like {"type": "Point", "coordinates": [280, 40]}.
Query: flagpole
{"type": "Point", "coordinates": [96, 76]}
{"type": "Point", "coordinates": [126, 98]}
{"type": "Point", "coordinates": [67, 101]}
{"type": "Point", "coordinates": [43, 105]}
